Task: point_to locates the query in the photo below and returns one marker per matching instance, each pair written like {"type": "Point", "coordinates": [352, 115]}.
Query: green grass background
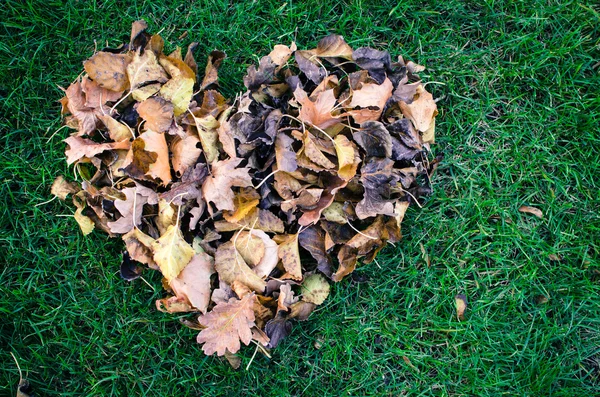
{"type": "Point", "coordinates": [519, 125]}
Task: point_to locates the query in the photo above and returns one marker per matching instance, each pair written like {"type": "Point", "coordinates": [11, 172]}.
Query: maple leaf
{"type": "Point", "coordinates": [226, 325]}
{"type": "Point", "coordinates": [225, 175]}
{"type": "Point", "coordinates": [86, 148]}
{"type": "Point", "coordinates": [317, 113]}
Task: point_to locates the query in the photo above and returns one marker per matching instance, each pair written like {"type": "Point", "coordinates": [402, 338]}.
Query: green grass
{"type": "Point", "coordinates": [519, 124]}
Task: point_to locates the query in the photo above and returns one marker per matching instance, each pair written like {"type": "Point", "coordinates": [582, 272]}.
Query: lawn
{"type": "Point", "coordinates": [519, 90]}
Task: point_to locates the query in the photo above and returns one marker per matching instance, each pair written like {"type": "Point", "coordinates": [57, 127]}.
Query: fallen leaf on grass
{"type": "Point", "coordinates": [461, 305]}
{"type": "Point", "coordinates": [531, 210]}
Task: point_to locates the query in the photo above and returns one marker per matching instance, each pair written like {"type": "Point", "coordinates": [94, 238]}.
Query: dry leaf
{"type": "Point", "coordinates": [193, 282]}
{"type": "Point", "coordinates": [61, 188]}
{"type": "Point", "coordinates": [225, 175]}
{"type": "Point", "coordinates": [109, 70]}
{"type": "Point", "coordinates": [157, 112]}
{"type": "Point", "coordinates": [231, 267]}
{"type": "Point", "coordinates": [226, 325]}
{"type": "Point", "coordinates": [172, 253]}
{"type": "Point", "coordinates": [315, 289]}
{"type": "Point", "coordinates": [461, 305]}
{"type": "Point", "coordinates": [531, 210]}
{"type": "Point", "coordinates": [290, 256]}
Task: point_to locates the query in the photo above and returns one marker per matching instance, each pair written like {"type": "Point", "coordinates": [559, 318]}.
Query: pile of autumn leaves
{"type": "Point", "coordinates": [248, 206]}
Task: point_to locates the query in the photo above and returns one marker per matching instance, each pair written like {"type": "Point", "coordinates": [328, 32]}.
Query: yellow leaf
{"type": "Point", "coordinates": [346, 153]}
{"type": "Point", "coordinates": [290, 256]}
{"type": "Point", "coordinates": [172, 253]}
{"type": "Point", "coordinates": [85, 223]}
{"type": "Point", "coordinates": [315, 289]}
{"type": "Point", "coordinates": [179, 91]}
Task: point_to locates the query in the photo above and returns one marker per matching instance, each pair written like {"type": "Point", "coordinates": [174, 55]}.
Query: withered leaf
{"type": "Point", "coordinates": [315, 289]}
{"type": "Point", "coordinates": [312, 239]}
{"type": "Point", "coordinates": [421, 111]}
{"type": "Point", "coordinates": [531, 210]}
{"type": "Point", "coordinates": [61, 188]}
{"type": "Point", "coordinates": [157, 112]}
{"type": "Point", "coordinates": [460, 301]}
{"type": "Point", "coordinates": [376, 176]}
{"type": "Point", "coordinates": [144, 68]}
{"type": "Point", "coordinates": [225, 175]}
{"type": "Point", "coordinates": [250, 247]}
{"type": "Point", "coordinates": [226, 325]}
{"type": "Point", "coordinates": [290, 256]}
{"type": "Point", "coordinates": [374, 138]}
{"type": "Point", "coordinates": [318, 112]}
{"type": "Point", "coordinates": [193, 282]}
{"type": "Point", "coordinates": [172, 253]}
{"type": "Point", "coordinates": [109, 70]}
{"type": "Point", "coordinates": [334, 46]}
{"type": "Point", "coordinates": [179, 92]}
{"type": "Point", "coordinates": [278, 329]}
{"type": "Point", "coordinates": [85, 148]}
{"type": "Point", "coordinates": [211, 76]}
{"type": "Point", "coordinates": [231, 267]}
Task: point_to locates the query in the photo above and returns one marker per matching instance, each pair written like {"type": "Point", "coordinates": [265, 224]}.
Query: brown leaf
{"type": "Point", "coordinates": [334, 46]}
{"type": "Point", "coordinates": [461, 305]}
{"type": "Point", "coordinates": [286, 298]}
{"type": "Point", "coordinates": [374, 138]}
{"type": "Point", "coordinates": [139, 247]}
{"type": "Point", "coordinates": [116, 130]}
{"type": "Point", "coordinates": [85, 148]}
{"type": "Point", "coordinates": [269, 260]}
{"type": "Point", "coordinates": [188, 189]}
{"type": "Point", "coordinates": [185, 153]}
{"type": "Point", "coordinates": [131, 208]}
{"type": "Point", "coordinates": [347, 259]}
{"type": "Point", "coordinates": [109, 70]}
{"type": "Point", "coordinates": [227, 324]}
{"type": "Point", "coordinates": [377, 179]}
{"type": "Point", "coordinates": [531, 210]}
{"type": "Point", "coordinates": [312, 239]}
{"type": "Point", "coordinates": [160, 169]}
{"type": "Point", "coordinates": [317, 113]}
{"type": "Point", "coordinates": [290, 256]}
{"type": "Point", "coordinates": [231, 267]}
{"type": "Point", "coordinates": [61, 188]}
{"type": "Point", "coordinates": [211, 76]}
{"type": "Point", "coordinates": [85, 116]}
{"type": "Point", "coordinates": [314, 153]}
{"type": "Point", "coordinates": [225, 175]}
{"type": "Point", "coordinates": [96, 96]}
{"type": "Point", "coordinates": [367, 97]}
{"type": "Point", "coordinates": [281, 53]}
{"type": "Point", "coordinates": [157, 112]}
{"type": "Point", "coordinates": [301, 310]}
{"type": "Point", "coordinates": [193, 282]}
{"type": "Point", "coordinates": [173, 304]}
{"type": "Point", "coordinates": [421, 111]}
{"type": "Point", "coordinates": [138, 160]}
{"type": "Point", "coordinates": [286, 157]}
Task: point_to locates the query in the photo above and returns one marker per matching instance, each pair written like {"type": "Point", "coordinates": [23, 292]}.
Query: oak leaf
{"type": "Point", "coordinates": [226, 325]}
